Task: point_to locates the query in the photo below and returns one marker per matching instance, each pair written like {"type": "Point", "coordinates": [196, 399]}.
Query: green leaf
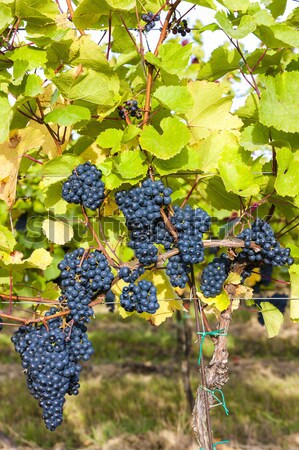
{"type": "Point", "coordinates": [247, 25]}
{"type": "Point", "coordinates": [89, 12]}
{"type": "Point", "coordinates": [217, 194]}
{"type": "Point", "coordinates": [57, 231]}
{"type": "Point", "coordinates": [53, 200]}
{"type": "Point", "coordinates": [294, 304]}
{"type": "Point", "coordinates": [7, 240]}
{"type": "Point", "coordinates": [91, 86]}
{"type": "Point", "coordinates": [221, 62]}
{"type": "Point", "coordinates": [6, 17]}
{"type": "Point", "coordinates": [123, 5]}
{"type": "Point", "coordinates": [51, 292]}
{"type": "Point", "coordinates": [130, 164]}
{"type": "Point", "coordinates": [36, 12]}
{"type": "Point", "coordinates": [254, 137]}
{"type": "Point", "coordinates": [273, 318]}
{"type": "Point", "coordinates": [235, 172]}
{"type": "Point", "coordinates": [7, 115]}
{"type": "Point", "coordinates": [279, 106]}
{"type": "Point", "coordinates": [286, 183]}
{"type": "Point", "coordinates": [277, 7]}
{"type": "Point", "coordinates": [68, 115]}
{"type": "Point", "coordinates": [33, 86]}
{"type": "Point", "coordinates": [273, 34]}
{"type": "Point", "coordinates": [130, 132]}
{"type": "Point", "coordinates": [176, 98]}
{"type": "Point", "coordinates": [236, 5]}
{"type": "Point", "coordinates": [35, 57]}
{"type": "Point", "coordinates": [86, 52]}
{"type": "Point", "coordinates": [187, 159]}
{"type": "Point", "coordinates": [174, 137]}
{"type": "Point", "coordinates": [173, 58]}
{"type": "Point", "coordinates": [59, 168]}
{"type": "Point", "coordinates": [210, 111]}
{"type": "Point", "coordinates": [206, 3]}
{"type": "Point", "coordinates": [110, 138]}
{"type": "Point", "coordinates": [250, 109]}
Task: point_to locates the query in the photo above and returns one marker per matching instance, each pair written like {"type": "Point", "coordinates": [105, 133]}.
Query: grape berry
{"type": "Point", "coordinates": [182, 28]}
{"type": "Point", "coordinates": [130, 108]}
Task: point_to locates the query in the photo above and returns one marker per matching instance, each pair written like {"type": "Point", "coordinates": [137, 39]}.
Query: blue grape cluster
{"type": "Point", "coordinates": [271, 252]}
{"type": "Point", "coordinates": [83, 274]}
{"type": "Point", "coordinates": [279, 301]}
{"type": "Point", "coordinates": [129, 275]}
{"type": "Point", "coordinates": [190, 224]}
{"type": "Point", "coordinates": [50, 358]}
{"type": "Point", "coordinates": [130, 108]}
{"type": "Point", "coordinates": [84, 186]}
{"type": "Point", "coordinates": [182, 28]}
{"type": "Point", "coordinates": [141, 208]}
{"type": "Point", "coordinates": [140, 297]}
{"type": "Point", "coordinates": [214, 275]}
{"type": "Point", "coordinates": [150, 20]}
{"type": "Point", "coordinates": [178, 271]}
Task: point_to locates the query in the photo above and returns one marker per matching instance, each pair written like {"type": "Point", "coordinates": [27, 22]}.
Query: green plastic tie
{"type": "Point", "coordinates": [220, 401]}
{"type": "Point", "coordinates": [203, 334]}
{"type": "Point", "coordinates": [216, 443]}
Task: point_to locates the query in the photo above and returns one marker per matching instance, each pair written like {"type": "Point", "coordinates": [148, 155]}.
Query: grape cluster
{"type": "Point", "coordinates": [50, 357]}
{"type": "Point", "coordinates": [178, 271]}
{"type": "Point", "coordinates": [83, 274]}
{"type": "Point", "coordinates": [182, 28]}
{"type": "Point", "coordinates": [280, 302]}
{"type": "Point", "coordinates": [214, 275]}
{"type": "Point", "coordinates": [140, 297]}
{"type": "Point", "coordinates": [190, 224]}
{"type": "Point", "coordinates": [130, 276]}
{"type": "Point", "coordinates": [130, 108]}
{"type": "Point", "coordinates": [84, 186]}
{"type": "Point", "coordinates": [271, 252]}
{"type": "Point", "coordinates": [150, 19]}
{"type": "Point", "coordinates": [141, 208]}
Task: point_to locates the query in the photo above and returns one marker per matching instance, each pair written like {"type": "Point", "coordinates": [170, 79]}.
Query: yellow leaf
{"type": "Point", "coordinates": [57, 231]}
{"type": "Point", "coordinates": [49, 148]}
{"type": "Point", "coordinates": [11, 153]}
{"type": "Point", "coordinates": [294, 304]}
{"type": "Point", "coordinates": [233, 278]}
{"type": "Point", "coordinates": [273, 318]}
{"type": "Point", "coordinates": [40, 258]}
{"type": "Point", "coordinates": [253, 279]}
{"type": "Point", "coordinates": [221, 301]}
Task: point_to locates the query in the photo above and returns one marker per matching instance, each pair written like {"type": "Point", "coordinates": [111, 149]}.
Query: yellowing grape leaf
{"type": "Point", "coordinates": [294, 303]}
{"type": "Point", "coordinates": [39, 259]}
{"type": "Point", "coordinates": [57, 231]}
{"type": "Point", "coordinates": [273, 319]}
{"type": "Point", "coordinates": [11, 153]}
{"type": "Point", "coordinates": [233, 278]}
{"type": "Point", "coordinates": [7, 240]}
{"type": "Point", "coordinates": [221, 301]}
